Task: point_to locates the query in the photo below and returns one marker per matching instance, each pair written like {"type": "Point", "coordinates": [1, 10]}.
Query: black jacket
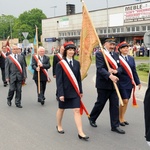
{"type": "Point", "coordinates": [46, 65]}
{"type": "Point", "coordinates": [102, 74]}
{"type": "Point", "coordinates": [64, 86]}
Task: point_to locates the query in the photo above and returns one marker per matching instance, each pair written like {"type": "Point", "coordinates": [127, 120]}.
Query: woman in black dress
{"type": "Point", "coordinates": [68, 96]}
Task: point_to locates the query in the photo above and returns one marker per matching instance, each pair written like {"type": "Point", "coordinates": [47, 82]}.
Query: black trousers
{"type": "Point", "coordinates": [147, 114]}
{"type": "Point", "coordinates": [15, 86]}
{"type": "Point", "coordinates": [42, 89]}
{"type": "Point", "coordinates": [103, 96]}
{"type": "Point", "coordinates": [3, 75]}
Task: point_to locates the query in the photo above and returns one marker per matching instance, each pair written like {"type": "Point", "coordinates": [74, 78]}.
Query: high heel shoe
{"type": "Point", "coordinates": [61, 132]}
{"type": "Point", "coordinates": [84, 138]}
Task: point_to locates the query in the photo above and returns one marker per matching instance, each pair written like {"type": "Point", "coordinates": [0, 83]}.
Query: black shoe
{"type": "Point", "coordinates": [5, 84]}
{"type": "Point", "coordinates": [84, 138]}
{"type": "Point", "coordinates": [19, 106]}
{"type": "Point", "coordinates": [118, 130]}
{"type": "Point", "coordinates": [42, 102]}
{"type": "Point", "coordinates": [92, 123]}
{"type": "Point", "coordinates": [122, 124]}
{"type": "Point", "coordinates": [61, 132]}
{"type": "Point", "coordinates": [126, 123]}
{"type": "Point", "coordinates": [9, 102]}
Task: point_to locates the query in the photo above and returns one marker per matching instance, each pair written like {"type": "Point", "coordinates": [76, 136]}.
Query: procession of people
{"type": "Point", "coordinates": [69, 92]}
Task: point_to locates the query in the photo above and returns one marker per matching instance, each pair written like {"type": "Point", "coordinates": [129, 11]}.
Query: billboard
{"type": "Point", "coordinates": [64, 22]}
{"type": "Point", "coordinates": [137, 12]}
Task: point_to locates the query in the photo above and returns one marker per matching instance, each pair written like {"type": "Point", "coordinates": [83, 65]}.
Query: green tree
{"type": "Point", "coordinates": [6, 26]}
{"type": "Point", "coordinates": [26, 23]}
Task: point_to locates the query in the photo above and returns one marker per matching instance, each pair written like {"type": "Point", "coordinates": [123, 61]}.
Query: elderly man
{"type": "Point", "coordinates": [40, 64]}
{"type": "Point", "coordinates": [105, 87]}
{"type": "Point", "coordinates": [15, 73]}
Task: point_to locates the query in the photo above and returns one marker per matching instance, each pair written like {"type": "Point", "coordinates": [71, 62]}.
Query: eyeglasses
{"type": "Point", "coordinates": [15, 48]}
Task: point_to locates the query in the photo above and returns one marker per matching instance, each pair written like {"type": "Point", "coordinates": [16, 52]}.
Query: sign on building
{"type": "Point", "coordinates": [137, 12]}
{"type": "Point", "coordinates": [53, 39]}
{"type": "Point", "coordinates": [64, 22]}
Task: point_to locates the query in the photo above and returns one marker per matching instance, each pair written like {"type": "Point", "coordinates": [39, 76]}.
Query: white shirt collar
{"type": "Point", "coordinates": [69, 59]}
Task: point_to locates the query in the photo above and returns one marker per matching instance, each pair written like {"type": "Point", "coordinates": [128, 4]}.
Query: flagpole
{"type": "Point", "coordinates": [107, 64]}
{"type": "Point", "coordinates": [37, 56]}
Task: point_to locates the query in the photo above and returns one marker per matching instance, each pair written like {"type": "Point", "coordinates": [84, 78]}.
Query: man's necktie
{"type": "Point", "coordinates": [15, 56]}
{"type": "Point", "coordinates": [42, 59]}
{"type": "Point", "coordinates": [70, 63]}
{"type": "Point", "coordinates": [126, 58]}
{"type": "Point", "coordinates": [111, 53]}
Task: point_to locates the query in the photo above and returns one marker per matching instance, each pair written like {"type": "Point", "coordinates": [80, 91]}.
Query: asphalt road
{"type": "Point", "coordinates": [34, 126]}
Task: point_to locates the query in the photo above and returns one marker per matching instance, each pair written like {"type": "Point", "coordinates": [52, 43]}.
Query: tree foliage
{"type": "Point", "coordinates": [6, 24]}
{"type": "Point", "coordinates": [24, 23]}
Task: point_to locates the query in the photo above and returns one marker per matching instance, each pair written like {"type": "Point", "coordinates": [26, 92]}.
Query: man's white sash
{"type": "Point", "coordinates": [111, 61]}
{"type": "Point", "coordinates": [59, 56]}
{"type": "Point", "coordinates": [3, 54]}
{"type": "Point", "coordinates": [44, 70]}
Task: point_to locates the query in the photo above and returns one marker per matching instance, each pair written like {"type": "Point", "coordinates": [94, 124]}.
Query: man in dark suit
{"type": "Point", "coordinates": [57, 57]}
{"type": "Point", "coordinates": [21, 53]}
{"type": "Point", "coordinates": [15, 73]}
{"type": "Point", "coordinates": [41, 63]}
{"type": "Point", "coordinates": [105, 87]}
{"type": "Point", "coordinates": [3, 55]}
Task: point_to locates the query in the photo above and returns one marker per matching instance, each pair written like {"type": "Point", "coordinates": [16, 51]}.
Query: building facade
{"type": "Point", "coordinates": [128, 22]}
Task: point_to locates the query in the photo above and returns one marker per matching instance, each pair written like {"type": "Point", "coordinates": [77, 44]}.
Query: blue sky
{"type": "Point", "coordinates": [16, 7]}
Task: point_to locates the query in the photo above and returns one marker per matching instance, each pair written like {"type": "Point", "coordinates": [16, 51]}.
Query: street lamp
{"type": "Point", "coordinates": [54, 9]}
{"type": "Point", "coordinates": [107, 17]}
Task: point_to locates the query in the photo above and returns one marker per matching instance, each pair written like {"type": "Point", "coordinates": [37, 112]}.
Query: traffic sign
{"type": "Point", "coordinates": [53, 39]}
{"type": "Point", "coordinates": [25, 34]}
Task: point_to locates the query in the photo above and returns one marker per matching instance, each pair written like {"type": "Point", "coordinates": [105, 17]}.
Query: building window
{"type": "Point", "coordinates": [68, 33]}
{"type": "Point", "coordinates": [118, 29]}
{"type": "Point", "coordinates": [128, 29]}
{"type": "Point", "coordinates": [137, 28]}
{"type": "Point", "coordinates": [74, 33]}
{"type": "Point", "coordinates": [114, 30]}
{"type": "Point", "coordinates": [122, 29]}
{"type": "Point", "coordinates": [101, 31]}
{"type": "Point", "coordinates": [133, 28]}
{"type": "Point", "coordinates": [148, 27]}
{"type": "Point", "coordinates": [104, 30]}
{"type": "Point", "coordinates": [143, 28]}
{"type": "Point", "coordinates": [78, 33]}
